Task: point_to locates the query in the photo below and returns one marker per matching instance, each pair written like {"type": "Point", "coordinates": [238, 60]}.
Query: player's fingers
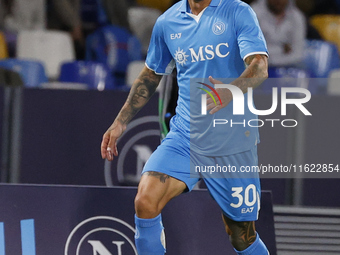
{"type": "Point", "coordinates": [209, 100]}
{"type": "Point", "coordinates": [103, 146]}
{"type": "Point", "coordinates": [214, 81]}
{"type": "Point", "coordinates": [115, 150]}
{"type": "Point", "coordinates": [109, 154]}
{"type": "Point", "coordinates": [215, 109]}
{"type": "Point", "coordinates": [213, 100]}
{"type": "Point", "coordinates": [210, 106]}
{"type": "Point", "coordinates": [211, 103]}
{"type": "Point", "coordinates": [111, 149]}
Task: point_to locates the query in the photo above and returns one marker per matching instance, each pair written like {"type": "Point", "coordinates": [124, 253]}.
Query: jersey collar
{"type": "Point", "coordinates": [184, 6]}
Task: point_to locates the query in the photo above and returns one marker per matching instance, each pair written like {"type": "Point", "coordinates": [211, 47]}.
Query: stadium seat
{"type": "Point", "coordinates": [287, 72]}
{"type": "Point", "coordinates": [3, 47]}
{"type": "Point", "coordinates": [321, 58]}
{"type": "Point", "coordinates": [284, 77]}
{"type": "Point", "coordinates": [95, 75]}
{"type": "Point", "coordinates": [115, 47]}
{"type": "Point", "coordinates": [333, 87]}
{"type": "Point", "coordinates": [50, 47]}
{"type": "Point", "coordinates": [328, 27]}
{"type": "Point", "coordinates": [142, 20]}
{"type": "Point", "coordinates": [64, 85]}
{"type": "Point", "coordinates": [32, 72]}
{"type": "Point", "coordinates": [133, 70]}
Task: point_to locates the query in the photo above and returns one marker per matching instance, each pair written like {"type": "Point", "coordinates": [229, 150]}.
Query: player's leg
{"type": "Point", "coordinates": [155, 190]}
{"type": "Point", "coordinates": [244, 237]}
{"type": "Point", "coordinates": [242, 234]}
{"type": "Point", "coordinates": [238, 195]}
{"type": "Point", "coordinates": [165, 176]}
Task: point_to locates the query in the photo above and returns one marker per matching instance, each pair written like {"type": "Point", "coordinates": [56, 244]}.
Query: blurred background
{"type": "Point", "coordinates": [66, 67]}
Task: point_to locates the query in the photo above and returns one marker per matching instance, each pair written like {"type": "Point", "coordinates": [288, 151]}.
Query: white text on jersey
{"type": "Point", "coordinates": [209, 51]}
{"type": "Point", "coordinates": [176, 36]}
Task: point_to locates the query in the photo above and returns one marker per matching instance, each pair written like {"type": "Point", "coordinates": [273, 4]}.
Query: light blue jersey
{"type": "Point", "coordinates": [214, 43]}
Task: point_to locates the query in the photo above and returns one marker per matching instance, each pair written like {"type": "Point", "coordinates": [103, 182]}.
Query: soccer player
{"type": "Point", "coordinates": [204, 39]}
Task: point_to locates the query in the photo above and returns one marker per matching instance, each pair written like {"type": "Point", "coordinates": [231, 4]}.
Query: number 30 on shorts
{"type": "Point", "coordinates": [243, 197]}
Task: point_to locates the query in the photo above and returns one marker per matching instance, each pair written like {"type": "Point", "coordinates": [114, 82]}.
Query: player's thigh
{"type": "Point", "coordinates": [165, 175]}
{"type": "Point", "coordinates": [157, 189]}
{"type": "Point", "coordinates": [238, 194]}
{"type": "Point", "coordinates": [173, 158]}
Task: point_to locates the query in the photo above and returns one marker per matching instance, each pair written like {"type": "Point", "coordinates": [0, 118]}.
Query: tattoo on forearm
{"type": "Point", "coordinates": [141, 91]}
{"type": "Point", "coordinates": [249, 59]}
{"type": "Point", "coordinates": [162, 177]}
{"type": "Point", "coordinates": [256, 72]}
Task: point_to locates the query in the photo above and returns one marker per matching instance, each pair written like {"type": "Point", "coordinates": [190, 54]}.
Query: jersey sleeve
{"type": "Point", "coordinates": [159, 58]}
{"type": "Point", "coordinates": [249, 35]}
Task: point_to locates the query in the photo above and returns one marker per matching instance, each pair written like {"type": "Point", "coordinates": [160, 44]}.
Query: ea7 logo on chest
{"type": "Point", "coordinates": [176, 36]}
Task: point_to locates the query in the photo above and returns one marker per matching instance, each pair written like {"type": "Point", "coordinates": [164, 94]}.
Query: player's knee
{"type": "Point", "coordinates": [145, 206]}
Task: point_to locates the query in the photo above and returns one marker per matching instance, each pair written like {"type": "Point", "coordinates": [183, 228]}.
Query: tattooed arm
{"type": "Point", "coordinates": [255, 73]}
{"type": "Point", "coordinates": [140, 93]}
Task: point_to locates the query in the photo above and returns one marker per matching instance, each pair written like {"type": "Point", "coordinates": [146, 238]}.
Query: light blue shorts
{"type": "Point", "coordinates": [231, 179]}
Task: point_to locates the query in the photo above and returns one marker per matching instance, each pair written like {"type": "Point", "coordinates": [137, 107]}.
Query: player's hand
{"type": "Point", "coordinates": [224, 94]}
{"type": "Point", "coordinates": [109, 142]}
